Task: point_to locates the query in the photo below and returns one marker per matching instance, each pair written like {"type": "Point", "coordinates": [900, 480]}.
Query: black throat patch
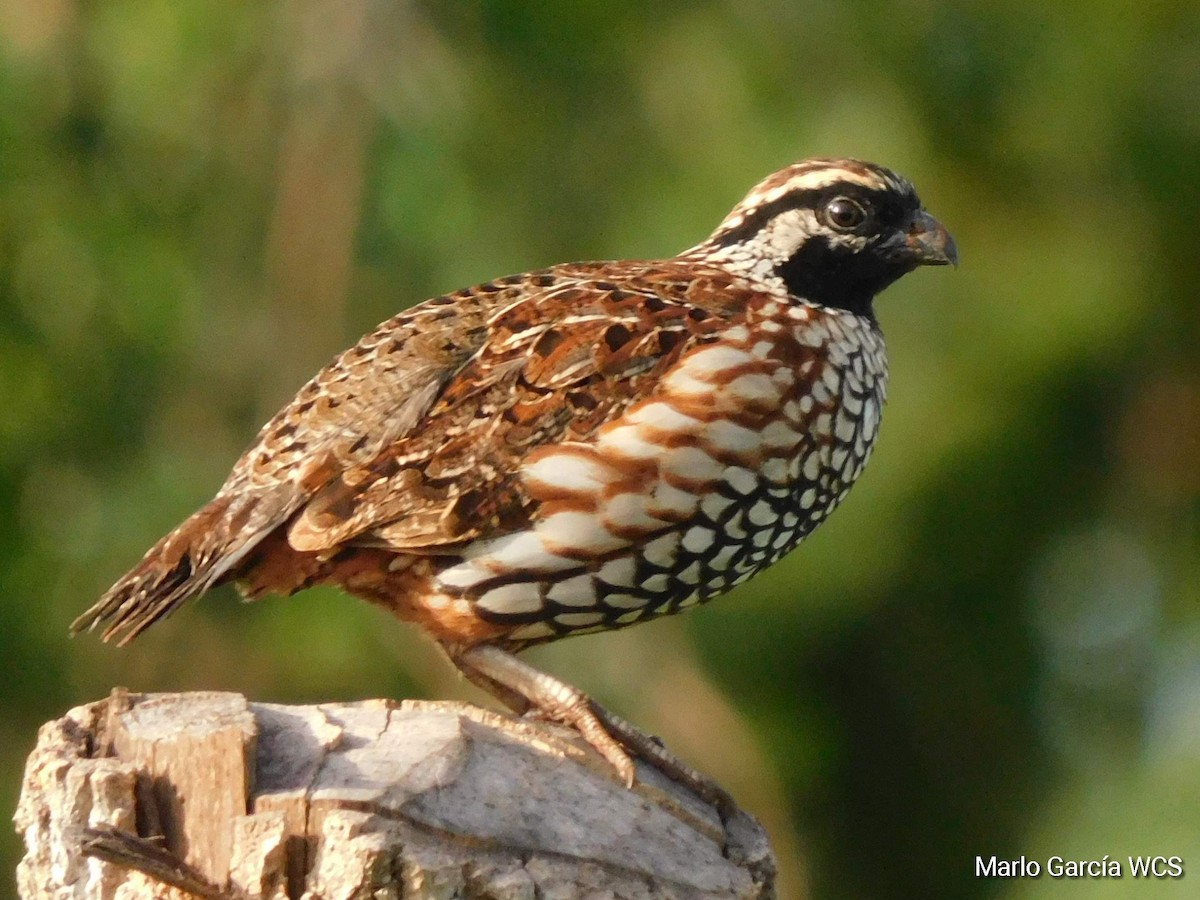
{"type": "Point", "coordinates": [836, 275]}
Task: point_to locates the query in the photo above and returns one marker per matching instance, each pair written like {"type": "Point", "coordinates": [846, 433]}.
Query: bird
{"type": "Point", "coordinates": [575, 449]}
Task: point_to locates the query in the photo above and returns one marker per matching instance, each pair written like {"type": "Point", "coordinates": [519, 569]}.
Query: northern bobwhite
{"type": "Point", "coordinates": [575, 449]}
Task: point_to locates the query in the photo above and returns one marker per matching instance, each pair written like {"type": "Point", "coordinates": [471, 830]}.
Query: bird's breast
{"type": "Point", "coordinates": [741, 450]}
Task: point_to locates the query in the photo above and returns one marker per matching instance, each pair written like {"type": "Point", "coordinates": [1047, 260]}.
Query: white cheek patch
{"type": "Point", "coordinates": [782, 236]}
{"type": "Point", "coordinates": [856, 242]}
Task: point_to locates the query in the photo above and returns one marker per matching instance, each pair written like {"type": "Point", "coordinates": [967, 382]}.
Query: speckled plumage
{"type": "Point", "coordinates": [580, 448]}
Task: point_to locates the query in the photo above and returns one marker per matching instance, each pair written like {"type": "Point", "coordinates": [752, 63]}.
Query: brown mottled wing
{"type": "Point", "coordinates": [362, 402]}
{"type": "Point", "coordinates": [570, 353]}
{"type": "Point", "coordinates": [412, 438]}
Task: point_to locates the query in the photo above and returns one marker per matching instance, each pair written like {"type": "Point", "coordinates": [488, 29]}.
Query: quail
{"type": "Point", "coordinates": [574, 449]}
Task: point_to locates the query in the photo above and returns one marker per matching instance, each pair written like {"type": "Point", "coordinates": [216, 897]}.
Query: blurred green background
{"type": "Point", "coordinates": [992, 649]}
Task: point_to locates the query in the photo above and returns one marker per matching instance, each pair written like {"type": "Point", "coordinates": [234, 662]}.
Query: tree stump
{"type": "Point", "coordinates": [206, 794]}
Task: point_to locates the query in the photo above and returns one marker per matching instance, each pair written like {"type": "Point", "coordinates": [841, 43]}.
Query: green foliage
{"type": "Point", "coordinates": [990, 650]}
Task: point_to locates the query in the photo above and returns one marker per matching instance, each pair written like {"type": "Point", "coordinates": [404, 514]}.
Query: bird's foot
{"type": "Point", "coordinates": [510, 679]}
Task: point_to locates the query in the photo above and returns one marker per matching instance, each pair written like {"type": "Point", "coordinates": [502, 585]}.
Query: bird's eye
{"type": "Point", "coordinates": [845, 214]}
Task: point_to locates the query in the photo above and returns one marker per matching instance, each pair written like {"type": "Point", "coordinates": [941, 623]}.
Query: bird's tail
{"type": "Point", "coordinates": [204, 550]}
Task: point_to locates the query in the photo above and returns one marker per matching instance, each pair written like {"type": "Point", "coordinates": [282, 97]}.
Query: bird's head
{"type": "Point", "coordinates": [830, 231]}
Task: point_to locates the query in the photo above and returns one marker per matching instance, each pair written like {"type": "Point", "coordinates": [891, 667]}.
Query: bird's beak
{"type": "Point", "coordinates": [930, 243]}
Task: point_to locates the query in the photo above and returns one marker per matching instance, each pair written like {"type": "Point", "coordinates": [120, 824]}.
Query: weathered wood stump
{"type": "Point", "coordinates": [225, 798]}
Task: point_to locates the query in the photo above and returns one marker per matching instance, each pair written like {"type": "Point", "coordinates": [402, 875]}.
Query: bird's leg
{"type": "Point", "coordinates": [491, 667]}
{"type": "Point", "coordinates": [505, 676]}
{"type": "Point", "coordinates": [518, 703]}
